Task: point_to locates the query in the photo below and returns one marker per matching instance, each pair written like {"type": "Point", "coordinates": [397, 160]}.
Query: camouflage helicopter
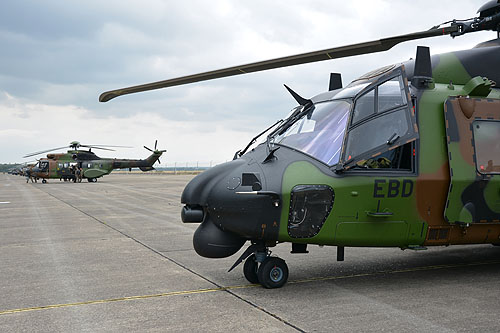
{"type": "Point", "coordinates": [405, 156]}
{"type": "Point", "coordinates": [63, 165]}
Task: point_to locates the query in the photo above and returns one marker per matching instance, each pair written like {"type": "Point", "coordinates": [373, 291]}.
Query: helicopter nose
{"type": "Point", "coordinates": [197, 192]}
{"type": "Point", "coordinates": [217, 198]}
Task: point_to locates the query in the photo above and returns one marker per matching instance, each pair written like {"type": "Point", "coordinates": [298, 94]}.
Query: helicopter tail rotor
{"type": "Point", "coordinates": [156, 151]}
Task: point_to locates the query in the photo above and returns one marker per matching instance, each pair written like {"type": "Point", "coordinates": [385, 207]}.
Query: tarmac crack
{"type": "Point", "coordinates": [218, 286]}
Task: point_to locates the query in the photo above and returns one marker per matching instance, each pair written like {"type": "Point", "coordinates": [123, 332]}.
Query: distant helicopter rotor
{"type": "Point", "coordinates": [75, 145]}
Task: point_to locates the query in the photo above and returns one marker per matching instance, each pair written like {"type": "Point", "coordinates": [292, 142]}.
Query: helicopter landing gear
{"type": "Point", "coordinates": [44, 181]}
{"type": "Point", "coordinates": [270, 272]}
{"type": "Point", "coordinates": [92, 180]}
{"type": "Point", "coordinates": [273, 273]}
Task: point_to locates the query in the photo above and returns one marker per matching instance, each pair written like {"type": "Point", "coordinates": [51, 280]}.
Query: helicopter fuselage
{"type": "Point", "coordinates": [292, 195]}
{"type": "Point", "coordinates": [60, 166]}
{"type": "Point", "coordinates": [407, 156]}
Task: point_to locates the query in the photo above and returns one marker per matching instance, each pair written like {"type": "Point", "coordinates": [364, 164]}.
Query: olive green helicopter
{"type": "Point", "coordinates": [405, 156]}
{"type": "Point", "coordinates": [77, 164]}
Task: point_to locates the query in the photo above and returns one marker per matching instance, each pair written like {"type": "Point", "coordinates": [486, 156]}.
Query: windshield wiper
{"type": "Point", "coordinates": [240, 153]}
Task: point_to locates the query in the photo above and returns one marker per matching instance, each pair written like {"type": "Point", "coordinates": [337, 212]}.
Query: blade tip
{"type": "Point", "coordinates": [107, 96]}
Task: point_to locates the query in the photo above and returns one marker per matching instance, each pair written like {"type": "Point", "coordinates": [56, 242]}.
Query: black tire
{"type": "Point", "coordinates": [273, 273]}
{"type": "Point", "coordinates": [44, 181]}
{"type": "Point", "coordinates": [250, 269]}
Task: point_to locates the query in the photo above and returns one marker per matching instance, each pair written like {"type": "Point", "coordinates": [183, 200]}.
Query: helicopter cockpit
{"type": "Point", "coordinates": [369, 124]}
{"type": "Point", "coordinates": [43, 166]}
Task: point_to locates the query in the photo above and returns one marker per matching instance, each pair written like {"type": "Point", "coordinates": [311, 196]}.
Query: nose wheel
{"type": "Point", "coordinates": [271, 273]}
{"type": "Point", "coordinates": [250, 269]}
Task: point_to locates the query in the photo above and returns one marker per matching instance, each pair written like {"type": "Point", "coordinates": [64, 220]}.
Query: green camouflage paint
{"type": "Point", "coordinates": [351, 221]}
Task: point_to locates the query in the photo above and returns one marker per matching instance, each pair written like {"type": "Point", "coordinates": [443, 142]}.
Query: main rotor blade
{"type": "Point", "coordinates": [95, 147]}
{"type": "Point", "coordinates": [151, 150]}
{"type": "Point", "coordinates": [106, 146]}
{"type": "Point", "coordinates": [327, 54]}
{"type": "Point", "coordinates": [103, 148]}
{"type": "Point", "coordinates": [43, 151]}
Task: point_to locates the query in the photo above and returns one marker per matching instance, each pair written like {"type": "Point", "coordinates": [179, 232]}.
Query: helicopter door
{"type": "Point", "coordinates": [383, 119]}
{"type": "Point", "coordinates": [379, 160]}
{"type": "Point", "coordinates": [473, 137]}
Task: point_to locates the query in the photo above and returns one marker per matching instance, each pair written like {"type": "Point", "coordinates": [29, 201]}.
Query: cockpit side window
{"type": "Point", "coordinates": [391, 94]}
{"type": "Point", "coordinates": [487, 146]}
{"type": "Point", "coordinates": [384, 97]}
{"type": "Point", "coordinates": [365, 107]}
{"type": "Point", "coordinates": [44, 165]}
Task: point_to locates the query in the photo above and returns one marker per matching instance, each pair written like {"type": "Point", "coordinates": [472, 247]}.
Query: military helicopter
{"type": "Point", "coordinates": [405, 156]}
{"type": "Point", "coordinates": [63, 165]}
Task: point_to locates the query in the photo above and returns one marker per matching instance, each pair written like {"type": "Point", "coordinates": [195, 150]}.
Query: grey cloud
{"type": "Point", "coordinates": [68, 52]}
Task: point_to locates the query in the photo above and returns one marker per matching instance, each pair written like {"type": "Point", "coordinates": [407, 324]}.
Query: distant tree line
{"type": "Point", "coordinates": [6, 166]}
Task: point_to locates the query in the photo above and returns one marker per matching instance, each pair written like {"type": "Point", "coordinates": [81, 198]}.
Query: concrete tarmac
{"type": "Point", "coordinates": [114, 256]}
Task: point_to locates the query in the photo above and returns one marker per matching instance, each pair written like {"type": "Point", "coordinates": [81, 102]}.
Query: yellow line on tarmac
{"type": "Point", "coordinates": [211, 290]}
{"type": "Point", "coordinates": [128, 298]}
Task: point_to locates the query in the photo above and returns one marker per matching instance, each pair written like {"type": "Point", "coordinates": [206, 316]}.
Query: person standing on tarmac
{"type": "Point", "coordinates": [78, 174]}
{"type": "Point", "coordinates": [74, 172]}
{"type": "Point", "coordinates": [28, 176]}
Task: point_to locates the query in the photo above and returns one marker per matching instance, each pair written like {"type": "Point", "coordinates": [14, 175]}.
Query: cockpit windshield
{"type": "Point", "coordinates": [319, 132]}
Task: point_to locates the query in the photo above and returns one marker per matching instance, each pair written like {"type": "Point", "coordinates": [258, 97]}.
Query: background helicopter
{"type": "Point", "coordinates": [62, 166]}
{"type": "Point", "coordinates": [406, 156]}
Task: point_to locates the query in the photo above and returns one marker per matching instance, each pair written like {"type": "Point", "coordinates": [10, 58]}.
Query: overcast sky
{"type": "Point", "coordinates": [58, 56]}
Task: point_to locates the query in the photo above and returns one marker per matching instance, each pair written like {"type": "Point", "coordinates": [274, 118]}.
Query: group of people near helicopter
{"type": "Point", "coordinates": [29, 176]}
{"type": "Point", "coordinates": [76, 174]}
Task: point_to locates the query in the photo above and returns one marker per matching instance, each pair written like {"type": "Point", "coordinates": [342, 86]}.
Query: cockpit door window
{"type": "Point", "coordinates": [391, 94]}
{"type": "Point", "coordinates": [377, 133]}
{"type": "Point", "coordinates": [389, 124]}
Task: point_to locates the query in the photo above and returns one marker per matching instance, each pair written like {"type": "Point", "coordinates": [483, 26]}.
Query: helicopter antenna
{"type": "Point", "coordinates": [422, 74]}
{"type": "Point", "coordinates": [335, 81]}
